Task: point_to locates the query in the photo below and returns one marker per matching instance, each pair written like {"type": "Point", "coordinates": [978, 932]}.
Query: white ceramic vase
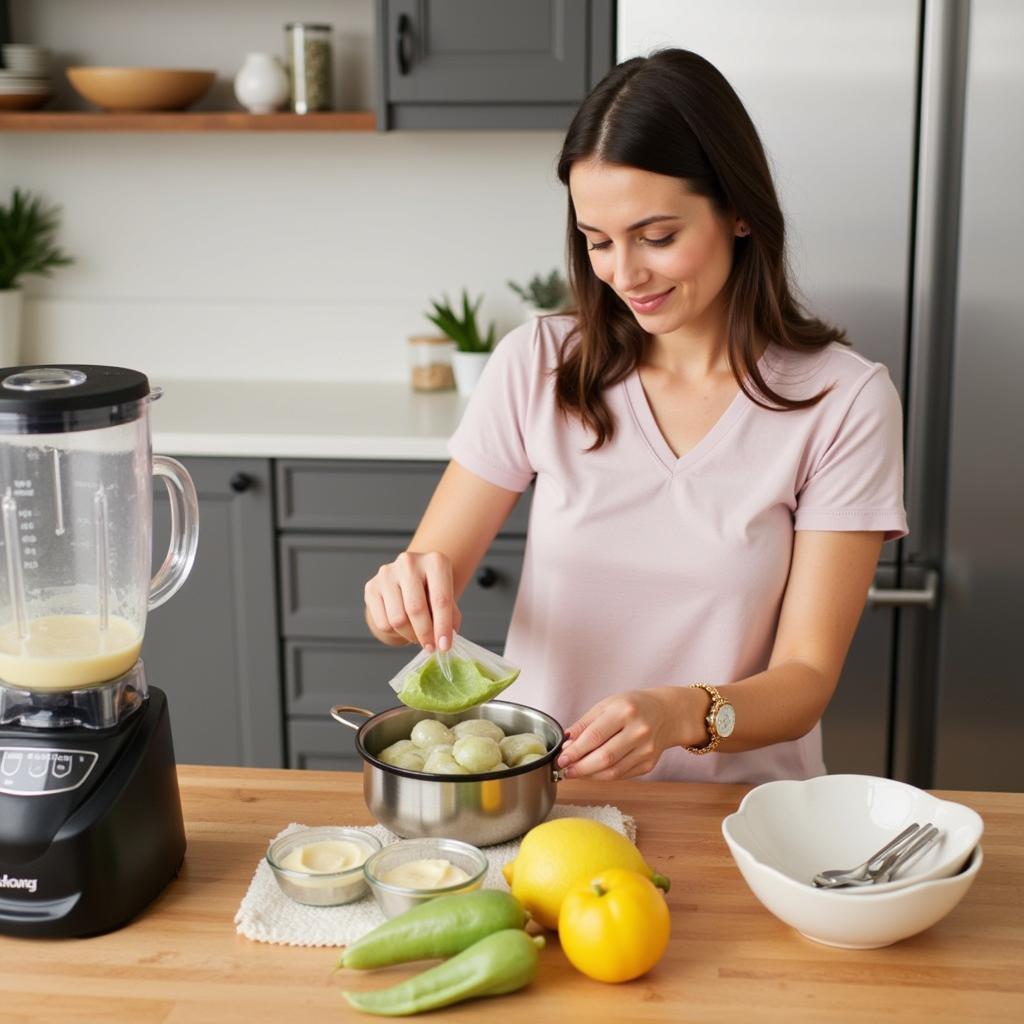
{"type": "Point", "coordinates": [261, 85]}
{"type": "Point", "coordinates": [10, 326]}
{"type": "Point", "coordinates": [468, 366]}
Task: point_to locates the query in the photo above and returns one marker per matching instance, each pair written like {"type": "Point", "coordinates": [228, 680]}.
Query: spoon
{"type": "Point", "coordinates": [862, 873]}
{"type": "Point", "coordinates": [895, 861]}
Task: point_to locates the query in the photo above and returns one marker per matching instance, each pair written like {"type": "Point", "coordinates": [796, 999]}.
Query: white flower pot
{"type": "Point", "coordinates": [10, 326]}
{"type": "Point", "coordinates": [261, 85]}
{"type": "Point", "coordinates": [468, 366]}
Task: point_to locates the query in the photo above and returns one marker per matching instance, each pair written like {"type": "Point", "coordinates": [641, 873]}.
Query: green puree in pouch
{"type": "Point", "coordinates": [426, 689]}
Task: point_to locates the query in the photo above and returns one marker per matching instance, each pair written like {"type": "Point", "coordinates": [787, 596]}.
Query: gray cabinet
{"type": "Point", "coordinates": [489, 64]}
{"type": "Point", "coordinates": [213, 647]}
{"type": "Point", "coordinates": [338, 522]}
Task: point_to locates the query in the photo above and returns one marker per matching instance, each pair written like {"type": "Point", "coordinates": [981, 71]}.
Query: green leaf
{"type": "Point", "coordinates": [461, 326]}
{"type": "Point", "coordinates": [27, 245]}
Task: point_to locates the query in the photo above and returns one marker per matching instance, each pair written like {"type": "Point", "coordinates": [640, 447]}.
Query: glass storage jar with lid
{"type": "Point", "coordinates": [309, 65]}
{"type": "Point", "coordinates": [430, 360]}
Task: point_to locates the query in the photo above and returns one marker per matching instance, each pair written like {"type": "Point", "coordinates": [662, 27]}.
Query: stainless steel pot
{"type": "Point", "coordinates": [480, 809]}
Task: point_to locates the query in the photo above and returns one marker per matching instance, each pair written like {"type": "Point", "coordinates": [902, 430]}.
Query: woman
{"type": "Point", "coordinates": [715, 469]}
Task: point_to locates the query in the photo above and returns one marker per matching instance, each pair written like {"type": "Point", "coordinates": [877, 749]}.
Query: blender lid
{"type": "Point", "coordinates": [48, 389]}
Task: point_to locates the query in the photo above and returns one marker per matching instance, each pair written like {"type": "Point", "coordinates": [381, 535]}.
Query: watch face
{"type": "Point", "coordinates": [725, 720]}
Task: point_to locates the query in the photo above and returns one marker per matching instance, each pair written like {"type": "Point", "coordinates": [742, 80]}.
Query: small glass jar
{"type": "Point", "coordinates": [430, 360]}
{"type": "Point", "coordinates": [309, 65]}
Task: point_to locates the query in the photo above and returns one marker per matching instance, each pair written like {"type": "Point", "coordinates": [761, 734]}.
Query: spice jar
{"type": "Point", "coordinates": [430, 359]}
{"type": "Point", "coordinates": [309, 65]}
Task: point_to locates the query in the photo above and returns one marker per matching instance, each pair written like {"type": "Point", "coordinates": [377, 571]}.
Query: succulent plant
{"type": "Point", "coordinates": [543, 292]}
{"type": "Point", "coordinates": [462, 329]}
{"type": "Point", "coordinates": [27, 239]}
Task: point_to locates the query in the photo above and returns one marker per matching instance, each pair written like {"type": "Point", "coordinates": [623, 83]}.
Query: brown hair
{"type": "Point", "coordinates": [673, 113]}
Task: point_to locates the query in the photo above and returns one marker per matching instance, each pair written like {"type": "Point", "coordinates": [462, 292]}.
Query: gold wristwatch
{"type": "Point", "coordinates": [720, 720]}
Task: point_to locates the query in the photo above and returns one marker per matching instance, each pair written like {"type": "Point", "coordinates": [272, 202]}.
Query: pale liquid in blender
{"type": "Point", "coordinates": [66, 652]}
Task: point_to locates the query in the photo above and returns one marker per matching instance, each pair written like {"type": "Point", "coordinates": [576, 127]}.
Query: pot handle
{"type": "Point", "coordinates": [337, 710]}
{"type": "Point", "coordinates": [557, 775]}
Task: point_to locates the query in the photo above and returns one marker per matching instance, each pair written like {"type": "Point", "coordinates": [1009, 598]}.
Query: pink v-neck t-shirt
{"type": "Point", "coordinates": [643, 569]}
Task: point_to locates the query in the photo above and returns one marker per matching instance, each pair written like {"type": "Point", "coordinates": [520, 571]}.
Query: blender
{"type": "Point", "coordinates": [90, 816]}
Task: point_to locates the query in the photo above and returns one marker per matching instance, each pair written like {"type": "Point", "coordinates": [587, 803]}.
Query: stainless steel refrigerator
{"type": "Point", "coordinates": [894, 132]}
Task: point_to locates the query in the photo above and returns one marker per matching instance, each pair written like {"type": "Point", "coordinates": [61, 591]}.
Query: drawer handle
{"type": "Point", "coordinates": [403, 51]}
{"type": "Point", "coordinates": [240, 483]}
{"type": "Point", "coordinates": [486, 577]}
{"type": "Point", "coordinates": [336, 714]}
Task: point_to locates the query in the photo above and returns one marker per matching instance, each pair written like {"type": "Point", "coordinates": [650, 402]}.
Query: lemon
{"type": "Point", "coordinates": [556, 855]}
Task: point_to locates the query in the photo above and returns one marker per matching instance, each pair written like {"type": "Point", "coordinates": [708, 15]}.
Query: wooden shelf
{"type": "Point", "coordinates": [200, 121]}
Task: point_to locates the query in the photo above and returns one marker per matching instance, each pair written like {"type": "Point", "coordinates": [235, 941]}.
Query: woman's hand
{"type": "Point", "coordinates": [625, 734]}
{"type": "Point", "coordinates": [411, 600]}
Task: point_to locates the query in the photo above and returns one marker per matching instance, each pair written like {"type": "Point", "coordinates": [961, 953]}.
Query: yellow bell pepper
{"type": "Point", "coordinates": [614, 927]}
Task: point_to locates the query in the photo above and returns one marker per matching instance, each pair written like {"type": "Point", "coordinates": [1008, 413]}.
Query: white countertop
{"type": "Point", "coordinates": [297, 419]}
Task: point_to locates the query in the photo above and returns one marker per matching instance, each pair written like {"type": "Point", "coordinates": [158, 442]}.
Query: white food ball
{"type": "Point", "coordinates": [477, 753]}
{"type": "Point", "coordinates": [526, 759]}
{"type": "Point", "coordinates": [430, 733]}
{"type": "Point", "coordinates": [441, 762]}
{"type": "Point", "coordinates": [515, 748]}
{"type": "Point", "coordinates": [444, 748]}
{"type": "Point", "coordinates": [411, 760]}
{"type": "Point", "coordinates": [478, 727]}
{"type": "Point", "coordinates": [399, 747]}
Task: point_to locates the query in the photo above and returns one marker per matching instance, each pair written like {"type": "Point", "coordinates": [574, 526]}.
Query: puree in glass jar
{"type": "Point", "coordinates": [327, 857]}
{"type": "Point", "coordinates": [430, 873]}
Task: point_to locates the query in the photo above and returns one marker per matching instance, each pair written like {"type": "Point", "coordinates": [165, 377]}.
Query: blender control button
{"type": "Point", "coordinates": [11, 762]}
{"type": "Point", "coordinates": [61, 767]}
{"type": "Point", "coordinates": [38, 765]}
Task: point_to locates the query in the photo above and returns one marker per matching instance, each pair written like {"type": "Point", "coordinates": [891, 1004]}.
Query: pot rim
{"type": "Point", "coordinates": [540, 762]}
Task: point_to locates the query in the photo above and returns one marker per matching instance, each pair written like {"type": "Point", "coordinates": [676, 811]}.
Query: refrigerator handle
{"type": "Point", "coordinates": [928, 595]}
{"type": "Point", "coordinates": [943, 74]}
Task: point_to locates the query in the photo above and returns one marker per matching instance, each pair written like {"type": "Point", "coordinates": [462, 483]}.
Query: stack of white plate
{"type": "Point", "coordinates": [25, 77]}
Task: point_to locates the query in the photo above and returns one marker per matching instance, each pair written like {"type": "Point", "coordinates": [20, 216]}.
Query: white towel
{"type": "Point", "coordinates": [267, 915]}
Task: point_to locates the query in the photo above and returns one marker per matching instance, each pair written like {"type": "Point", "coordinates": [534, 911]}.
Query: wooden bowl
{"type": "Point", "coordinates": [140, 88]}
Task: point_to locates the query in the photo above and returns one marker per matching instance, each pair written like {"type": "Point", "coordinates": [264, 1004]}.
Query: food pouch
{"type": "Point", "coordinates": [478, 675]}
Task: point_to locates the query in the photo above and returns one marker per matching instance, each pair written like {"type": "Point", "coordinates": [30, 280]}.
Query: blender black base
{"type": "Point", "coordinates": [86, 859]}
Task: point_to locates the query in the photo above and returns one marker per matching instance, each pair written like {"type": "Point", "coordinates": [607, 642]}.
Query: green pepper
{"type": "Point", "coordinates": [437, 928]}
{"type": "Point", "coordinates": [501, 962]}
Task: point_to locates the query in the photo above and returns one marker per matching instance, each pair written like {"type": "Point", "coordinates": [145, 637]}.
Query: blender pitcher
{"type": "Point", "coordinates": [76, 505]}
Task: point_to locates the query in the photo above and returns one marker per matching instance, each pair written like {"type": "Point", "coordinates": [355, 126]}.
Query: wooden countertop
{"type": "Point", "coordinates": [181, 961]}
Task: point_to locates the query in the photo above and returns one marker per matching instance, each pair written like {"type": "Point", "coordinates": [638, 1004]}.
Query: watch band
{"type": "Point", "coordinates": [717, 700]}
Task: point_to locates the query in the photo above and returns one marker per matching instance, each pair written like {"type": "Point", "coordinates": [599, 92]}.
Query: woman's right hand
{"type": "Point", "coordinates": [412, 600]}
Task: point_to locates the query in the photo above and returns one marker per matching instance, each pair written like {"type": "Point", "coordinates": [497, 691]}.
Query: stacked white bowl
{"type": "Point", "coordinates": [25, 77]}
{"type": "Point", "coordinates": [785, 832]}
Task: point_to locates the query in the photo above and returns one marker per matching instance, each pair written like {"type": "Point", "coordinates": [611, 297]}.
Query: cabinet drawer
{"type": "Point", "coordinates": [316, 744]}
{"type": "Point", "coordinates": [366, 496]}
{"type": "Point", "coordinates": [322, 580]}
{"type": "Point", "coordinates": [321, 673]}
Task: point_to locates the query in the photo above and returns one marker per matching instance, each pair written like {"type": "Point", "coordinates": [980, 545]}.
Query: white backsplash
{"type": "Point", "coordinates": [293, 255]}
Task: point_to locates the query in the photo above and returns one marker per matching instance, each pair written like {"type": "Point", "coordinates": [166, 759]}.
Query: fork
{"type": "Point", "coordinates": [863, 872]}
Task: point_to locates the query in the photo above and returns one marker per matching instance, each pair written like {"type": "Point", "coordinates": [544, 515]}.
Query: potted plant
{"type": "Point", "coordinates": [471, 348]}
{"type": "Point", "coordinates": [542, 294]}
{"type": "Point", "coordinates": [27, 246]}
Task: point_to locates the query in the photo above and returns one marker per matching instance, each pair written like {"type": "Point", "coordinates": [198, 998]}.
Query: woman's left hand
{"type": "Point", "coordinates": [624, 735]}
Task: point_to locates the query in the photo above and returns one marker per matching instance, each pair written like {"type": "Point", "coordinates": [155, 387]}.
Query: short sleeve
{"type": "Point", "coordinates": [490, 439]}
{"type": "Point", "coordinates": [857, 484]}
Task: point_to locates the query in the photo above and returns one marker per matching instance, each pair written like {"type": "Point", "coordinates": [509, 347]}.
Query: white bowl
{"type": "Point", "coordinates": [838, 821]}
{"type": "Point", "coordinates": [784, 832]}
